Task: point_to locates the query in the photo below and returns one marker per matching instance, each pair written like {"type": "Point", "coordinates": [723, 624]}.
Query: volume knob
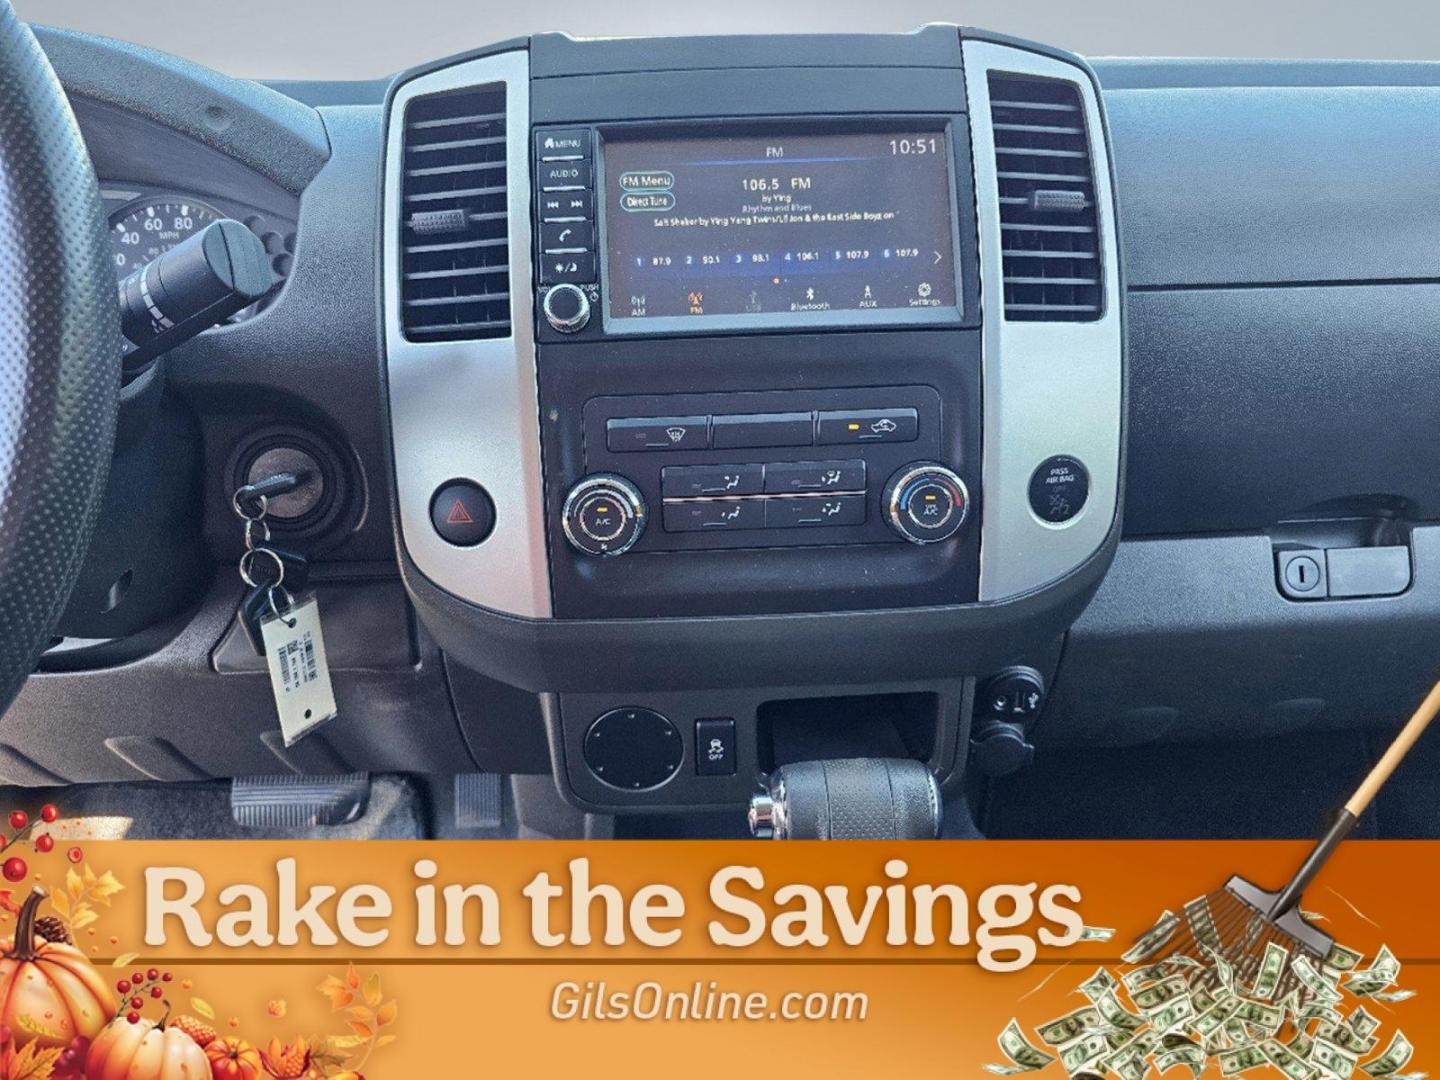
{"type": "Point", "coordinates": [926, 503]}
{"type": "Point", "coordinates": [604, 514]}
{"type": "Point", "coordinates": [566, 308]}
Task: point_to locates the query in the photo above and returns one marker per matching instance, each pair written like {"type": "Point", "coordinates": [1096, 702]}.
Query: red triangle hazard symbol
{"type": "Point", "coordinates": [459, 515]}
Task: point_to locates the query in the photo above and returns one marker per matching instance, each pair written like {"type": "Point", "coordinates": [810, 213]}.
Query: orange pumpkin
{"type": "Point", "coordinates": [234, 1059]}
{"type": "Point", "coordinates": [50, 985]}
{"type": "Point", "coordinates": [145, 1051]}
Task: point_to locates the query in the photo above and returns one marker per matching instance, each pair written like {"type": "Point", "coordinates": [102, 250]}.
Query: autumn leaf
{"type": "Point", "coordinates": [203, 1007]}
{"type": "Point", "coordinates": [365, 1031]}
{"type": "Point", "coordinates": [74, 885]}
{"type": "Point", "coordinates": [344, 1042]}
{"type": "Point", "coordinates": [386, 1013]}
{"type": "Point", "coordinates": [352, 977]}
{"type": "Point", "coordinates": [83, 917]}
{"type": "Point", "coordinates": [339, 994]}
{"type": "Point", "coordinates": [125, 959]}
{"type": "Point", "coordinates": [33, 1063]}
{"type": "Point", "coordinates": [384, 1041]}
{"type": "Point", "coordinates": [372, 990]}
{"type": "Point", "coordinates": [35, 1027]}
{"type": "Point", "coordinates": [88, 875]}
{"type": "Point", "coordinates": [105, 888]}
{"type": "Point", "coordinates": [59, 901]}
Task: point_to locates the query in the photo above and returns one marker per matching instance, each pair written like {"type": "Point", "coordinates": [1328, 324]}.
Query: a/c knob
{"type": "Point", "coordinates": [604, 514]}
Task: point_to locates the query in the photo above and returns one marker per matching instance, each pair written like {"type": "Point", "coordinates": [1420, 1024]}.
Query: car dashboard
{"type": "Point", "coordinates": [680, 408]}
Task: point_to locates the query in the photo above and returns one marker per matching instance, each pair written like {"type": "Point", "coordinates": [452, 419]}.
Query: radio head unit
{"type": "Point", "coordinates": [724, 226]}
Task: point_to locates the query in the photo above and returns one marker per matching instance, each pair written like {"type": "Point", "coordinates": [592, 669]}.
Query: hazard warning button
{"type": "Point", "coordinates": [462, 513]}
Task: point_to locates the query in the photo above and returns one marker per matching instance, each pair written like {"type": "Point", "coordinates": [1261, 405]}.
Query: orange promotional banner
{"type": "Point", "coordinates": [248, 960]}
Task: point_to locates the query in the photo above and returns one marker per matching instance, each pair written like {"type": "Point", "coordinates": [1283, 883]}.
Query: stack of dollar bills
{"type": "Point", "coordinates": [1196, 1012]}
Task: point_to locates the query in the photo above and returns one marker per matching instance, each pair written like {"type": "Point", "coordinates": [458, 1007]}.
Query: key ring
{"type": "Point", "coordinates": [289, 621]}
{"type": "Point", "coordinates": [243, 496]}
{"type": "Point", "coordinates": [250, 524]}
{"type": "Point", "coordinates": [247, 561]}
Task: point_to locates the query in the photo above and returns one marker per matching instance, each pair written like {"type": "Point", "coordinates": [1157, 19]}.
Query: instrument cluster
{"type": "Point", "coordinates": [146, 224]}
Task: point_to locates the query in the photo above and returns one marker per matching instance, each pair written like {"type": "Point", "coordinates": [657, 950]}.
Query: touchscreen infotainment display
{"type": "Point", "coordinates": [777, 229]}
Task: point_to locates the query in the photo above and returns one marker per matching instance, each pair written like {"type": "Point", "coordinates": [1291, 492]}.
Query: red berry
{"type": "Point", "coordinates": [138, 978]}
{"type": "Point", "coordinates": [15, 869]}
{"type": "Point", "coordinates": [152, 974]}
{"type": "Point", "coordinates": [45, 844]}
{"type": "Point", "coordinates": [49, 813]}
{"type": "Point", "coordinates": [157, 993]}
{"type": "Point", "coordinates": [19, 819]}
{"type": "Point", "coordinates": [166, 977]}
{"type": "Point", "coordinates": [133, 1017]}
{"type": "Point", "coordinates": [68, 1058]}
{"type": "Point", "coordinates": [75, 854]}
{"type": "Point", "coordinates": [137, 1003]}
{"type": "Point", "coordinates": [123, 986]}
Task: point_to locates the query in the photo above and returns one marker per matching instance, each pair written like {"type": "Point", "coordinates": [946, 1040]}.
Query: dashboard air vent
{"type": "Point", "coordinates": [455, 265]}
{"type": "Point", "coordinates": [1048, 226]}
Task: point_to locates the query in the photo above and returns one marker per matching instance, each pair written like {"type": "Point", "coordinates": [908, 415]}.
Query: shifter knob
{"type": "Point", "coordinates": [853, 799]}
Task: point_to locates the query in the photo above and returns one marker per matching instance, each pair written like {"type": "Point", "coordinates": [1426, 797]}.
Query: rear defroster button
{"type": "Point", "coordinates": [1059, 489]}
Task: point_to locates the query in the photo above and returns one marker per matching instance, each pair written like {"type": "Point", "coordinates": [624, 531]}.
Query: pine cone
{"type": "Point", "coordinates": [52, 929]}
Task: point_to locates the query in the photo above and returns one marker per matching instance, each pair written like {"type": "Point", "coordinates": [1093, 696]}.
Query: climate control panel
{"type": "Point", "coordinates": [769, 469]}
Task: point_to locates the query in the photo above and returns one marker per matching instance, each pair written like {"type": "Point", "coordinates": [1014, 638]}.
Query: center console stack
{"type": "Point", "coordinates": [751, 398]}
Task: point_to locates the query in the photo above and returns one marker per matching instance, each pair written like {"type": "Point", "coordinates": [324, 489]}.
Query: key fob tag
{"type": "Point", "coordinates": [299, 671]}
{"type": "Point", "coordinates": [256, 603]}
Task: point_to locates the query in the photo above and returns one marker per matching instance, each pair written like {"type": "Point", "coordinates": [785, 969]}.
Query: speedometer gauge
{"type": "Point", "coordinates": [145, 230]}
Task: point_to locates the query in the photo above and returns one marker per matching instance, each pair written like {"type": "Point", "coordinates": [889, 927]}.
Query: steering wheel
{"type": "Point", "coordinates": [60, 350]}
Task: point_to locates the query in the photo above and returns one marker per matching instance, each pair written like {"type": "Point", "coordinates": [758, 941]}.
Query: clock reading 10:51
{"type": "Point", "coordinates": [915, 146]}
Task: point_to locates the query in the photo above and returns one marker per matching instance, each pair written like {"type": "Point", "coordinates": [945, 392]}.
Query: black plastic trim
{"type": "Point", "coordinates": [273, 134]}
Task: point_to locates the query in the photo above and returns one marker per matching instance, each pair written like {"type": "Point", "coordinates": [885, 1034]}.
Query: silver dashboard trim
{"type": "Point", "coordinates": [1049, 388]}
{"type": "Point", "coordinates": [470, 409]}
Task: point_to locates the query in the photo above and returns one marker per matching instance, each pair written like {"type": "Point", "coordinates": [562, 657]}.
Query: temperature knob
{"type": "Point", "coordinates": [566, 308]}
{"type": "Point", "coordinates": [926, 503]}
{"type": "Point", "coordinates": [604, 514]}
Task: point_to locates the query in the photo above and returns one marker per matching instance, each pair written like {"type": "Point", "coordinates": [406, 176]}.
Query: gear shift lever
{"type": "Point", "coordinates": [854, 799]}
